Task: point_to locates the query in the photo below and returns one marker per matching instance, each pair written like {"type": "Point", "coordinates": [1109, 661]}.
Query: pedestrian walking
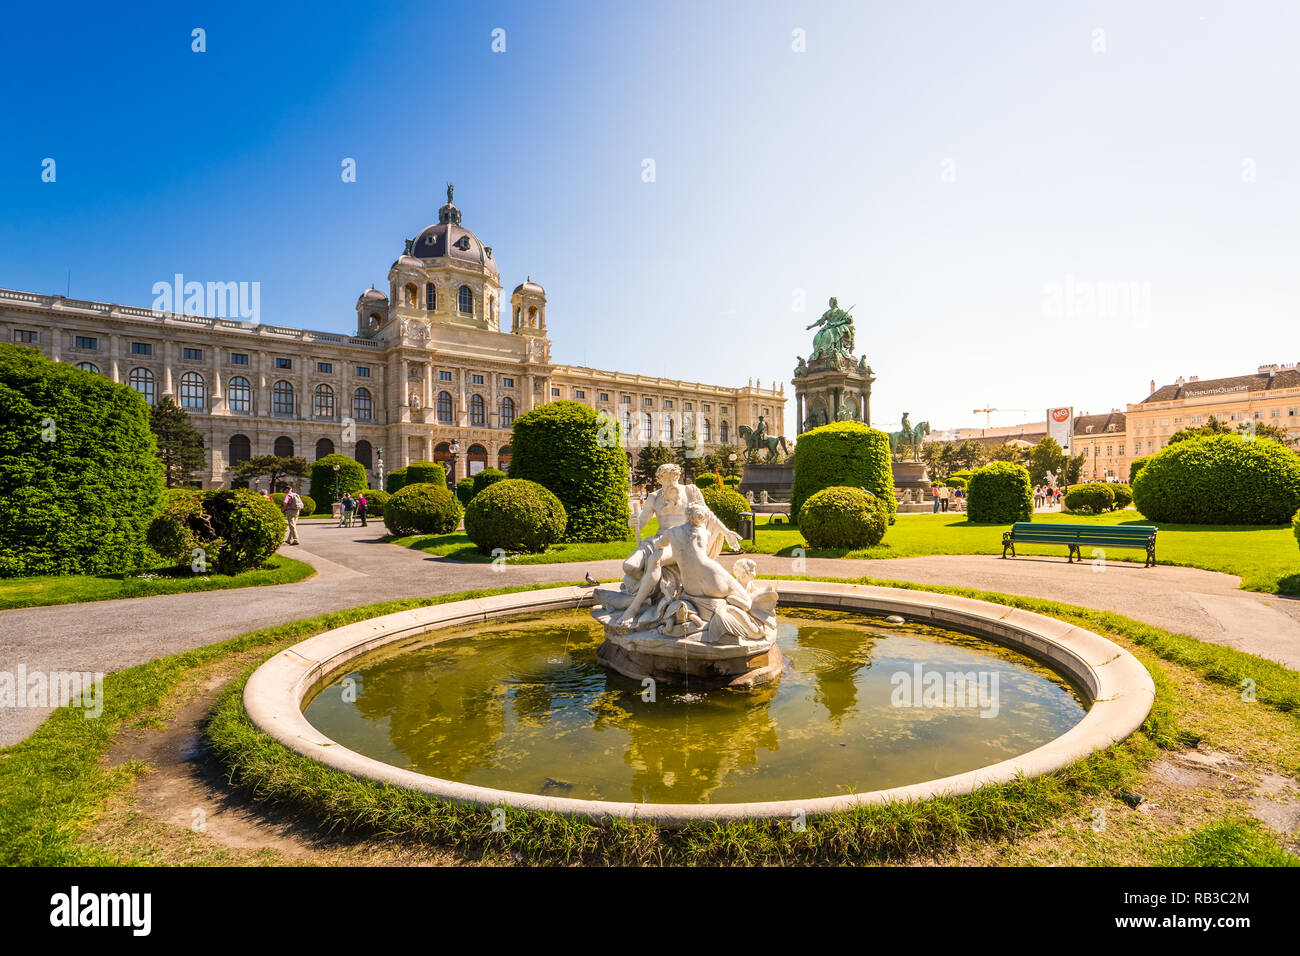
{"type": "Point", "coordinates": [944, 494]}
{"type": "Point", "coordinates": [292, 507]}
{"type": "Point", "coordinates": [361, 508]}
{"type": "Point", "coordinates": [934, 491]}
{"type": "Point", "coordinates": [345, 513]}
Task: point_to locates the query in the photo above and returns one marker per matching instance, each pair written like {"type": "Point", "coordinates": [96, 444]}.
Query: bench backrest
{"type": "Point", "coordinates": [1091, 532]}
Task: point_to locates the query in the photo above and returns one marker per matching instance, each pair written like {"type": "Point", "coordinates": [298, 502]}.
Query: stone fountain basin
{"type": "Point", "coordinates": [1120, 693]}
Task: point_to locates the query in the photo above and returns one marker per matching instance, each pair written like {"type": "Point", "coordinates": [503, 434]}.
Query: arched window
{"type": "Point", "coordinates": [363, 408]}
{"type": "Point", "coordinates": [324, 447]}
{"type": "Point", "coordinates": [708, 432]}
{"type": "Point", "coordinates": [239, 396]}
{"type": "Point", "coordinates": [492, 307]}
{"type": "Point", "coordinates": [476, 458]}
{"type": "Point", "coordinates": [282, 398]}
{"type": "Point", "coordinates": [503, 458]}
{"type": "Point", "coordinates": [477, 411]}
{"type": "Point", "coordinates": [284, 447]}
{"type": "Point", "coordinates": [322, 405]}
{"type": "Point", "coordinates": [507, 411]}
{"type": "Point", "coordinates": [241, 449]}
{"type": "Point", "coordinates": [88, 367]}
{"type": "Point", "coordinates": [412, 295]}
{"type": "Point", "coordinates": [141, 379]}
{"type": "Point", "coordinates": [364, 455]}
{"type": "Point", "coordinates": [444, 407]}
{"type": "Point", "coordinates": [193, 393]}
{"type": "Point", "coordinates": [430, 297]}
{"type": "Point", "coordinates": [442, 455]}
{"type": "Point", "coordinates": [666, 427]}
{"type": "Point", "coordinates": [628, 436]}
{"type": "Point", "coordinates": [723, 433]}
{"type": "Point", "coordinates": [532, 317]}
{"type": "Point", "coordinates": [648, 421]}
{"type": "Point", "coordinates": [466, 300]}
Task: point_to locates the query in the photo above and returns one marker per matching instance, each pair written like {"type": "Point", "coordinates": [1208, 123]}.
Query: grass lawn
{"type": "Point", "coordinates": [70, 794]}
{"type": "Point", "coordinates": [75, 588]}
{"type": "Point", "coordinates": [459, 547]}
{"type": "Point", "coordinates": [1266, 558]}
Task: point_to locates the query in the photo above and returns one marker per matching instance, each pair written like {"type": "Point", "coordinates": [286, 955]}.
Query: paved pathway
{"type": "Point", "coordinates": [353, 568]}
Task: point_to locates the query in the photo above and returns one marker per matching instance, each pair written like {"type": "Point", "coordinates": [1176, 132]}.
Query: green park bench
{"type": "Point", "coordinates": [1074, 536]}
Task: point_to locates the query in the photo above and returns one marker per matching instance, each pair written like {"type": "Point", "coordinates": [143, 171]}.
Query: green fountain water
{"type": "Point", "coordinates": [522, 705]}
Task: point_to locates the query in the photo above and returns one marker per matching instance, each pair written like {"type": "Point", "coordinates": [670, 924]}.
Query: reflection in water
{"type": "Point", "coordinates": [523, 705]}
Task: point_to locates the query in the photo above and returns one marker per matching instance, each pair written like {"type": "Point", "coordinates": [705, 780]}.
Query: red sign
{"type": "Point", "coordinates": [1060, 414]}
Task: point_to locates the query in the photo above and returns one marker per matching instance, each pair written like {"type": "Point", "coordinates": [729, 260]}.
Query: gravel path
{"type": "Point", "coordinates": [353, 568]}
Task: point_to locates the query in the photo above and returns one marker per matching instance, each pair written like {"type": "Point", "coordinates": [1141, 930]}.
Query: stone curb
{"type": "Point", "coordinates": [1120, 689]}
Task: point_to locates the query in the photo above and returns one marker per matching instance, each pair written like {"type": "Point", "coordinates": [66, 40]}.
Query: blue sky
{"type": "Point", "coordinates": [965, 175]}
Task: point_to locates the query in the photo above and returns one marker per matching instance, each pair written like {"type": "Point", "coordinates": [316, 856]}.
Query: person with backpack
{"type": "Point", "coordinates": [292, 507]}
{"type": "Point", "coordinates": [361, 508]}
{"type": "Point", "coordinates": [345, 513]}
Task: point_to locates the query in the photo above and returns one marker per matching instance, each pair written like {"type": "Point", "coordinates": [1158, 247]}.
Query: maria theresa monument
{"type": "Point", "coordinates": [831, 385]}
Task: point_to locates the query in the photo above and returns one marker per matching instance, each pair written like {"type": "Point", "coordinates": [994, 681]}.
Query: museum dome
{"type": "Point", "coordinates": [373, 294]}
{"type": "Point", "coordinates": [448, 239]}
{"type": "Point", "coordinates": [530, 286]}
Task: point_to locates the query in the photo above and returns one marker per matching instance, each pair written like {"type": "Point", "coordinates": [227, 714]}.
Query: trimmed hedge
{"type": "Point", "coordinates": [707, 479]}
{"type": "Point", "coordinates": [1220, 479]}
{"type": "Point", "coordinates": [1091, 498]}
{"type": "Point", "coordinates": [957, 483]}
{"type": "Point", "coordinates": [1123, 494]}
{"type": "Point", "coordinates": [848, 454]}
{"type": "Point", "coordinates": [237, 529]}
{"type": "Point", "coordinates": [80, 478]}
{"type": "Point", "coordinates": [465, 490]}
{"type": "Point", "coordinates": [416, 473]}
{"type": "Point", "coordinates": [563, 447]}
{"type": "Point", "coordinates": [843, 517]}
{"type": "Point", "coordinates": [394, 480]}
{"type": "Point", "coordinates": [352, 478]}
{"type": "Point", "coordinates": [424, 508]}
{"type": "Point", "coordinates": [999, 493]}
{"type": "Point", "coordinates": [726, 504]}
{"type": "Point", "coordinates": [514, 515]}
{"type": "Point", "coordinates": [375, 502]}
{"type": "Point", "coordinates": [308, 502]}
{"type": "Point", "coordinates": [486, 477]}
{"type": "Point", "coordinates": [1135, 466]}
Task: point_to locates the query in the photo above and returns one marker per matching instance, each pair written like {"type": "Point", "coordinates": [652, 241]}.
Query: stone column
{"type": "Point", "coordinates": [216, 380]}
{"type": "Point", "coordinates": [428, 389]}
{"type": "Point", "coordinates": [167, 367]}
{"type": "Point", "coordinates": [461, 399]}
{"type": "Point", "coordinates": [492, 417]}
{"type": "Point", "coordinates": [798, 425]}
{"type": "Point", "coordinates": [530, 395]}
{"type": "Point", "coordinates": [114, 344]}
{"type": "Point", "coordinates": [56, 343]}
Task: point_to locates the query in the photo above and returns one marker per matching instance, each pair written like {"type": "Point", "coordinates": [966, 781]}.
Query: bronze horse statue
{"type": "Point", "coordinates": [754, 441]}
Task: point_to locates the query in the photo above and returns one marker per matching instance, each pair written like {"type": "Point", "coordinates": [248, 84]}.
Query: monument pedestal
{"type": "Point", "coordinates": [642, 654]}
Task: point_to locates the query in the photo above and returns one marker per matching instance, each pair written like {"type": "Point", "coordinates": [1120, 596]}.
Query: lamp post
{"type": "Point", "coordinates": [455, 453]}
{"type": "Point", "coordinates": [732, 459]}
{"type": "Point", "coordinates": [336, 482]}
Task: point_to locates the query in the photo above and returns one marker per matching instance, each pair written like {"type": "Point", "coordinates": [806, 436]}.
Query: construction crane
{"type": "Point", "coordinates": [988, 414]}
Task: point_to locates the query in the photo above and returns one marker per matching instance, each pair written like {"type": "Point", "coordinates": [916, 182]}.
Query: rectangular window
{"type": "Point", "coordinates": [579, 393]}
{"type": "Point", "coordinates": [1110, 450]}
{"type": "Point", "coordinates": [87, 342]}
{"type": "Point", "coordinates": [476, 379]}
{"type": "Point", "coordinates": [649, 403]}
{"type": "Point", "coordinates": [192, 355]}
{"type": "Point", "coordinates": [325, 368]}
{"type": "Point", "coordinates": [507, 383]}
{"type": "Point", "coordinates": [26, 335]}
{"type": "Point", "coordinates": [142, 348]}
{"type": "Point", "coordinates": [604, 396]}
{"type": "Point", "coordinates": [1292, 412]}
{"type": "Point", "coordinates": [1275, 413]}
{"type": "Point", "coordinates": [1121, 451]}
{"type": "Point", "coordinates": [363, 371]}
{"type": "Point", "coordinates": [627, 399]}
{"type": "Point", "coordinates": [686, 406]}
{"type": "Point", "coordinates": [1178, 421]}
{"type": "Point", "coordinates": [707, 407]}
{"type": "Point", "coordinates": [668, 403]}
{"type": "Point", "coordinates": [284, 363]}
{"type": "Point", "coordinates": [444, 375]}
{"type": "Point", "coordinates": [1164, 423]}
{"type": "Point", "coordinates": [238, 358]}
{"type": "Point", "coordinates": [555, 393]}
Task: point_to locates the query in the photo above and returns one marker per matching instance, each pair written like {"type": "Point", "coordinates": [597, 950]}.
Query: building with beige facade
{"type": "Point", "coordinates": [1103, 442]}
{"type": "Point", "coordinates": [432, 362]}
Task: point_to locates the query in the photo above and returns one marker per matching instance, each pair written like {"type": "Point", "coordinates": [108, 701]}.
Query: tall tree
{"type": "Point", "coordinates": [648, 460]}
{"type": "Point", "coordinates": [1007, 452]}
{"type": "Point", "coordinates": [1046, 456]}
{"type": "Point", "coordinates": [274, 467]}
{"type": "Point", "coordinates": [180, 446]}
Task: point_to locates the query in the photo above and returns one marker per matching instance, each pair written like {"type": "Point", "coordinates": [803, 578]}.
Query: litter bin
{"type": "Point", "coordinates": [746, 529]}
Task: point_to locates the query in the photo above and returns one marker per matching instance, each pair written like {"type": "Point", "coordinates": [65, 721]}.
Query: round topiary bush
{"type": "Point", "coordinates": [843, 517]}
{"type": "Point", "coordinates": [486, 477]}
{"type": "Point", "coordinates": [394, 480]}
{"type": "Point", "coordinates": [847, 454]}
{"type": "Point", "coordinates": [465, 490]}
{"type": "Point", "coordinates": [1093, 498]}
{"type": "Point", "coordinates": [1220, 479]}
{"type": "Point", "coordinates": [999, 493]}
{"type": "Point", "coordinates": [352, 478]}
{"type": "Point", "coordinates": [570, 450]}
{"type": "Point", "coordinates": [726, 504]}
{"type": "Point", "coordinates": [308, 502]}
{"type": "Point", "coordinates": [236, 529]}
{"type": "Point", "coordinates": [375, 501]}
{"type": "Point", "coordinates": [957, 483]}
{"type": "Point", "coordinates": [1135, 466]}
{"type": "Point", "coordinates": [80, 478]}
{"type": "Point", "coordinates": [731, 481]}
{"type": "Point", "coordinates": [425, 473]}
{"type": "Point", "coordinates": [514, 515]}
{"type": "Point", "coordinates": [1123, 494]}
{"type": "Point", "coordinates": [424, 508]}
{"type": "Point", "coordinates": [706, 479]}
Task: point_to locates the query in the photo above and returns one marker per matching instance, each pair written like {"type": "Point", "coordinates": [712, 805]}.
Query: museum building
{"type": "Point", "coordinates": [429, 374]}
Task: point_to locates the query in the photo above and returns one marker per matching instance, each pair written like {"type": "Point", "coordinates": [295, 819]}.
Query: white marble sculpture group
{"type": "Point", "coordinates": [673, 586]}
